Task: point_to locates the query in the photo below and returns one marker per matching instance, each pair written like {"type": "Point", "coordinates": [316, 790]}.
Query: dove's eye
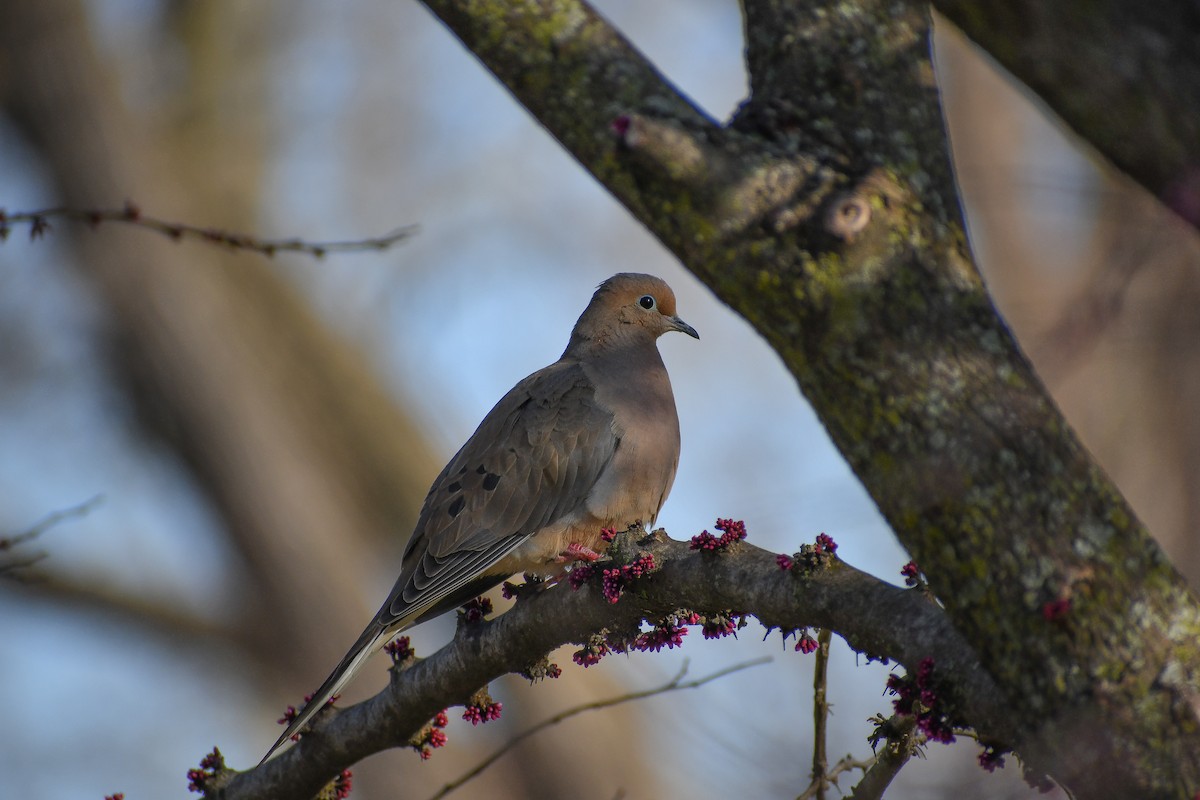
{"type": "Point", "coordinates": [646, 302]}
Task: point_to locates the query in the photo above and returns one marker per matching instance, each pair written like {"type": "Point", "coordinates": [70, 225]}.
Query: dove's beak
{"type": "Point", "coordinates": [679, 325]}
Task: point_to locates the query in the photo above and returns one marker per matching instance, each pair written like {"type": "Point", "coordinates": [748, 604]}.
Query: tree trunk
{"type": "Point", "coordinates": [826, 214]}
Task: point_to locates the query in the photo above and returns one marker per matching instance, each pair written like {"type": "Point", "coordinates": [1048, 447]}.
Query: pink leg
{"type": "Point", "coordinates": [576, 552]}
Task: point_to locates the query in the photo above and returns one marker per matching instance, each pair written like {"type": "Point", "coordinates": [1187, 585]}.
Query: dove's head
{"type": "Point", "coordinates": [629, 307]}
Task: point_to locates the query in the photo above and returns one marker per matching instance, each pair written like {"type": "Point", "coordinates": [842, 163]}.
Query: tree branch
{"type": "Point", "coordinates": [820, 760]}
{"type": "Point", "coordinates": [826, 213]}
{"type": "Point", "coordinates": [902, 742]}
{"type": "Point", "coordinates": [831, 777]}
{"type": "Point", "coordinates": [874, 617]}
{"type": "Point", "coordinates": [168, 620]}
{"type": "Point", "coordinates": [12, 564]}
{"type": "Point", "coordinates": [39, 224]}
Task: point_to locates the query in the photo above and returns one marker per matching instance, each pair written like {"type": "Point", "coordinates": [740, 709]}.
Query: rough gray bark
{"type": "Point", "coordinates": [826, 214]}
{"type": "Point", "coordinates": [871, 615]}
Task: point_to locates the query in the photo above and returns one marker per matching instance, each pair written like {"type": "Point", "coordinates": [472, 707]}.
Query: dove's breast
{"type": "Point", "coordinates": [638, 478]}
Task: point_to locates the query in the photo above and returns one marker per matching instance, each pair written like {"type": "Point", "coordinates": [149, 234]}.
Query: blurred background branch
{"type": "Point", "coordinates": [39, 225]}
{"type": "Point", "coordinates": [15, 558]}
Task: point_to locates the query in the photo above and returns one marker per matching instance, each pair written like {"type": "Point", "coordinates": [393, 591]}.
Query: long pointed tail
{"type": "Point", "coordinates": [370, 640]}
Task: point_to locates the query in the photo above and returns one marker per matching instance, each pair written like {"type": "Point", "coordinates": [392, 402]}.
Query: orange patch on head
{"type": "Point", "coordinates": [628, 287]}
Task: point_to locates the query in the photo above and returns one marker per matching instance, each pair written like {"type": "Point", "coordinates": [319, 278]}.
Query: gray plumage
{"type": "Point", "coordinates": [587, 443]}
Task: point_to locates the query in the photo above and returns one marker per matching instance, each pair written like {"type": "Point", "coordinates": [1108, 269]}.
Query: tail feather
{"type": "Point", "coordinates": [370, 640]}
{"type": "Point", "coordinates": [453, 588]}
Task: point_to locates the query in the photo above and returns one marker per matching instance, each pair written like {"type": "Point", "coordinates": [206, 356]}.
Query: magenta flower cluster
{"type": "Point", "coordinates": [810, 556]}
{"type": "Point", "coordinates": [290, 712]}
{"type": "Point", "coordinates": [474, 611]}
{"type": "Point", "coordinates": [433, 737]}
{"type": "Point", "coordinates": [718, 626]}
{"type": "Point", "coordinates": [591, 653]}
{"type": "Point", "coordinates": [806, 644]}
{"type": "Point", "coordinates": [666, 633]}
{"type": "Point", "coordinates": [731, 531]}
{"type": "Point", "coordinates": [992, 757]}
{"type": "Point", "coordinates": [399, 649]}
{"type": "Point", "coordinates": [911, 573]}
{"type": "Point", "coordinates": [479, 713]}
{"type": "Point", "coordinates": [342, 784]}
{"type": "Point", "coordinates": [580, 574]}
{"type": "Point", "coordinates": [614, 579]}
{"type": "Point", "coordinates": [1056, 610]}
{"type": "Point", "coordinates": [918, 696]}
{"type": "Point", "coordinates": [210, 765]}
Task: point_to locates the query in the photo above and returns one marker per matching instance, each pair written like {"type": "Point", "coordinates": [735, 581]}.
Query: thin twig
{"type": "Point", "coordinates": [902, 743]}
{"type": "Point", "coordinates": [54, 518]}
{"type": "Point", "coordinates": [831, 777]}
{"type": "Point", "coordinates": [675, 684]}
{"type": "Point", "coordinates": [12, 569]}
{"type": "Point", "coordinates": [37, 529]}
{"type": "Point", "coordinates": [820, 759]}
{"type": "Point", "coordinates": [39, 224]}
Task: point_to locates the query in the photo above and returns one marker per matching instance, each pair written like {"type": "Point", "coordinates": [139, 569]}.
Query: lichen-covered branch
{"type": "Point", "coordinates": [874, 618]}
{"type": "Point", "coordinates": [826, 213]}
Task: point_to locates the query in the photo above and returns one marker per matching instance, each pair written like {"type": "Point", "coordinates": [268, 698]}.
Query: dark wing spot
{"type": "Point", "coordinates": [457, 506]}
{"type": "Point", "coordinates": [489, 481]}
{"type": "Point", "coordinates": [454, 487]}
{"type": "Point", "coordinates": [480, 469]}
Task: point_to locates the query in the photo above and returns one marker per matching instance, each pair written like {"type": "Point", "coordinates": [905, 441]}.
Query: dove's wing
{"type": "Point", "coordinates": [530, 465]}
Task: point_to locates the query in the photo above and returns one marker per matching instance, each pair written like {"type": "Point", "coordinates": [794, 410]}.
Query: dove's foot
{"type": "Point", "coordinates": [576, 552]}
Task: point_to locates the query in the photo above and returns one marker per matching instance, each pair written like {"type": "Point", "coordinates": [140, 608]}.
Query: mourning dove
{"type": "Point", "coordinates": [587, 443]}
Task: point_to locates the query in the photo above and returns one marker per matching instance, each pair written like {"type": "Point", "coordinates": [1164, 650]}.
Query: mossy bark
{"type": "Point", "coordinates": [826, 213]}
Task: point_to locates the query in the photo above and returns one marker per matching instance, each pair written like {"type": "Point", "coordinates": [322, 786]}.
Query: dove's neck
{"type": "Point", "coordinates": [629, 367]}
{"type": "Point", "coordinates": [622, 344]}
